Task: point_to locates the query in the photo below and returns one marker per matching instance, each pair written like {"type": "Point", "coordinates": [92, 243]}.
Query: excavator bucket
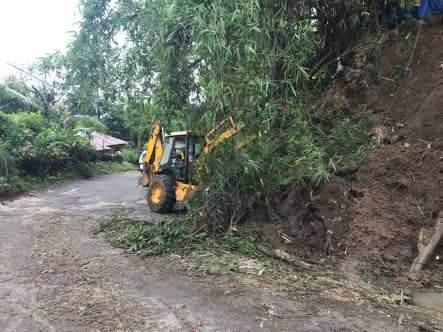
{"type": "Point", "coordinates": [143, 180]}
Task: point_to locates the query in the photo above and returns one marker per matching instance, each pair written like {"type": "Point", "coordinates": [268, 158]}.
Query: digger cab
{"type": "Point", "coordinates": [173, 182]}
{"type": "Point", "coordinates": [181, 151]}
{"type": "Point", "coordinates": [171, 161]}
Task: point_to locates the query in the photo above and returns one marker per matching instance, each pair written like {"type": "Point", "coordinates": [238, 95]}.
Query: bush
{"type": "Point", "coordinates": [36, 149]}
{"type": "Point", "coordinates": [7, 162]}
{"type": "Point", "coordinates": [113, 167]}
{"type": "Point", "coordinates": [130, 155]}
{"type": "Point", "coordinates": [13, 185]}
{"type": "Point", "coordinates": [54, 149]}
{"type": "Point", "coordinates": [85, 170]}
{"type": "Point", "coordinates": [110, 157]}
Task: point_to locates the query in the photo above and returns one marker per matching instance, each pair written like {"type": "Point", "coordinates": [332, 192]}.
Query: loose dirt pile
{"type": "Point", "coordinates": [372, 225]}
{"type": "Point", "coordinates": [401, 187]}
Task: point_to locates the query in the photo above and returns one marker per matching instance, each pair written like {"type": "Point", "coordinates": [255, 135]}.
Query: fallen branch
{"type": "Point", "coordinates": [284, 256]}
{"type": "Point", "coordinates": [425, 252]}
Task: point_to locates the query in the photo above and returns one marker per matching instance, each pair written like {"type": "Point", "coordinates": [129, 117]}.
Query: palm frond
{"type": "Point", "coordinates": [11, 100]}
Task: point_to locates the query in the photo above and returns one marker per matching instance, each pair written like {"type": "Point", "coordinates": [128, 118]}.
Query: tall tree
{"type": "Point", "coordinates": [91, 60]}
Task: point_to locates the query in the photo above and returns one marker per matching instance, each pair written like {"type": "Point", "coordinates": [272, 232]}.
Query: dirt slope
{"type": "Point", "coordinates": [401, 190]}
{"type": "Point", "coordinates": [372, 225]}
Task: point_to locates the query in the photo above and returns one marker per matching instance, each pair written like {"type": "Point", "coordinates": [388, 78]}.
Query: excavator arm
{"type": "Point", "coordinates": [154, 149]}
{"type": "Point", "coordinates": [154, 152]}
{"type": "Point", "coordinates": [211, 138]}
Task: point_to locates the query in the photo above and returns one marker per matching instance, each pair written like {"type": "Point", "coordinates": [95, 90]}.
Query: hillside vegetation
{"type": "Point", "coordinates": [35, 147]}
{"type": "Point", "coordinates": [191, 64]}
{"type": "Point", "coordinates": [318, 85]}
{"type": "Point", "coordinates": [42, 142]}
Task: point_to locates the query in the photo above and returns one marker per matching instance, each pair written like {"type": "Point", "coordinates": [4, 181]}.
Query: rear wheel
{"type": "Point", "coordinates": [161, 193]}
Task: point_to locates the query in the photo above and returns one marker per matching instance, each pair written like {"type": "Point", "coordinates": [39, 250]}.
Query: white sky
{"type": "Point", "coordinates": [33, 28]}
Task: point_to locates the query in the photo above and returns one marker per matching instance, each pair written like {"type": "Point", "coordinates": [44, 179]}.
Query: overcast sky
{"type": "Point", "coordinates": [32, 28]}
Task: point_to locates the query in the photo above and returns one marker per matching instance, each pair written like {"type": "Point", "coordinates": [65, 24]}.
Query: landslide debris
{"type": "Point", "coordinates": [370, 225]}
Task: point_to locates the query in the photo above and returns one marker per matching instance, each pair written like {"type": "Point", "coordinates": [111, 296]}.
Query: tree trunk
{"type": "Point", "coordinates": [43, 100]}
{"type": "Point", "coordinates": [139, 141]}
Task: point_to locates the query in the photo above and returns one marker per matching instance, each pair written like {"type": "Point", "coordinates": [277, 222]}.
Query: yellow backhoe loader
{"type": "Point", "coordinates": [171, 160]}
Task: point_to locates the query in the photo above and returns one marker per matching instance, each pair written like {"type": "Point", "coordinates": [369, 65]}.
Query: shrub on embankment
{"type": "Point", "coordinates": [35, 150]}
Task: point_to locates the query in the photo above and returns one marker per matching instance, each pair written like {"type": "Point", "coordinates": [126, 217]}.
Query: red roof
{"type": "Point", "coordinates": [102, 142]}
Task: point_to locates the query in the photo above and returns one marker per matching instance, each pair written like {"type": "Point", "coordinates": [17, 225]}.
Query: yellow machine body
{"type": "Point", "coordinates": [157, 166]}
{"type": "Point", "coordinates": [183, 191]}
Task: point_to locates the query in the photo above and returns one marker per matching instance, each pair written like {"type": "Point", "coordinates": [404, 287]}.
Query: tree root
{"type": "Point", "coordinates": [284, 256]}
{"type": "Point", "coordinates": [425, 251]}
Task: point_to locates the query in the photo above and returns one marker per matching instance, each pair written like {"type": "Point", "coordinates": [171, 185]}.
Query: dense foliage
{"type": "Point", "coordinates": [192, 63]}
{"type": "Point", "coordinates": [36, 144]}
{"type": "Point", "coordinates": [39, 149]}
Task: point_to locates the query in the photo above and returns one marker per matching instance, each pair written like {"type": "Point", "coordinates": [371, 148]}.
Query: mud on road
{"type": "Point", "coordinates": [58, 274]}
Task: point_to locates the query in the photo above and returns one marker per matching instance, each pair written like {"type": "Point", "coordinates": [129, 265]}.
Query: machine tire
{"type": "Point", "coordinates": [161, 193]}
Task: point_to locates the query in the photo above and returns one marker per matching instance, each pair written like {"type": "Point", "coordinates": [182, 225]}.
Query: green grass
{"type": "Point", "coordinates": [108, 167]}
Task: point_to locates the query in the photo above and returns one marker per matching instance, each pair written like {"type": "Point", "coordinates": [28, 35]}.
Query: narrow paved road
{"type": "Point", "coordinates": [57, 274]}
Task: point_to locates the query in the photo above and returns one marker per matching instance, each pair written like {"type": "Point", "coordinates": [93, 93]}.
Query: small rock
{"type": "Point", "coordinates": [356, 194]}
{"type": "Point", "coordinates": [389, 258]}
{"type": "Point", "coordinates": [379, 134]}
{"type": "Point", "coordinates": [406, 145]}
{"type": "Point", "coordinates": [394, 139]}
{"type": "Point", "coordinates": [349, 168]}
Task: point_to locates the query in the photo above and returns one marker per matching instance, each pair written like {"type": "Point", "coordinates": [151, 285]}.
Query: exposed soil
{"type": "Point", "coordinates": [371, 226]}
{"type": "Point", "coordinates": [57, 273]}
{"type": "Point", "coordinates": [402, 186]}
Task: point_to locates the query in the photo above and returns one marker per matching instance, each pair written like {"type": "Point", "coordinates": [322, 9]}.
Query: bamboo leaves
{"type": "Point", "coordinates": [199, 61]}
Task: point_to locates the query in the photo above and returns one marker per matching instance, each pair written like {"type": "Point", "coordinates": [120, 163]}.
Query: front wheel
{"type": "Point", "coordinates": [161, 193]}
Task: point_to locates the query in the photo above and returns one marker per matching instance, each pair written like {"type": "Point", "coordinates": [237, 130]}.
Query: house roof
{"type": "Point", "coordinates": [102, 142]}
